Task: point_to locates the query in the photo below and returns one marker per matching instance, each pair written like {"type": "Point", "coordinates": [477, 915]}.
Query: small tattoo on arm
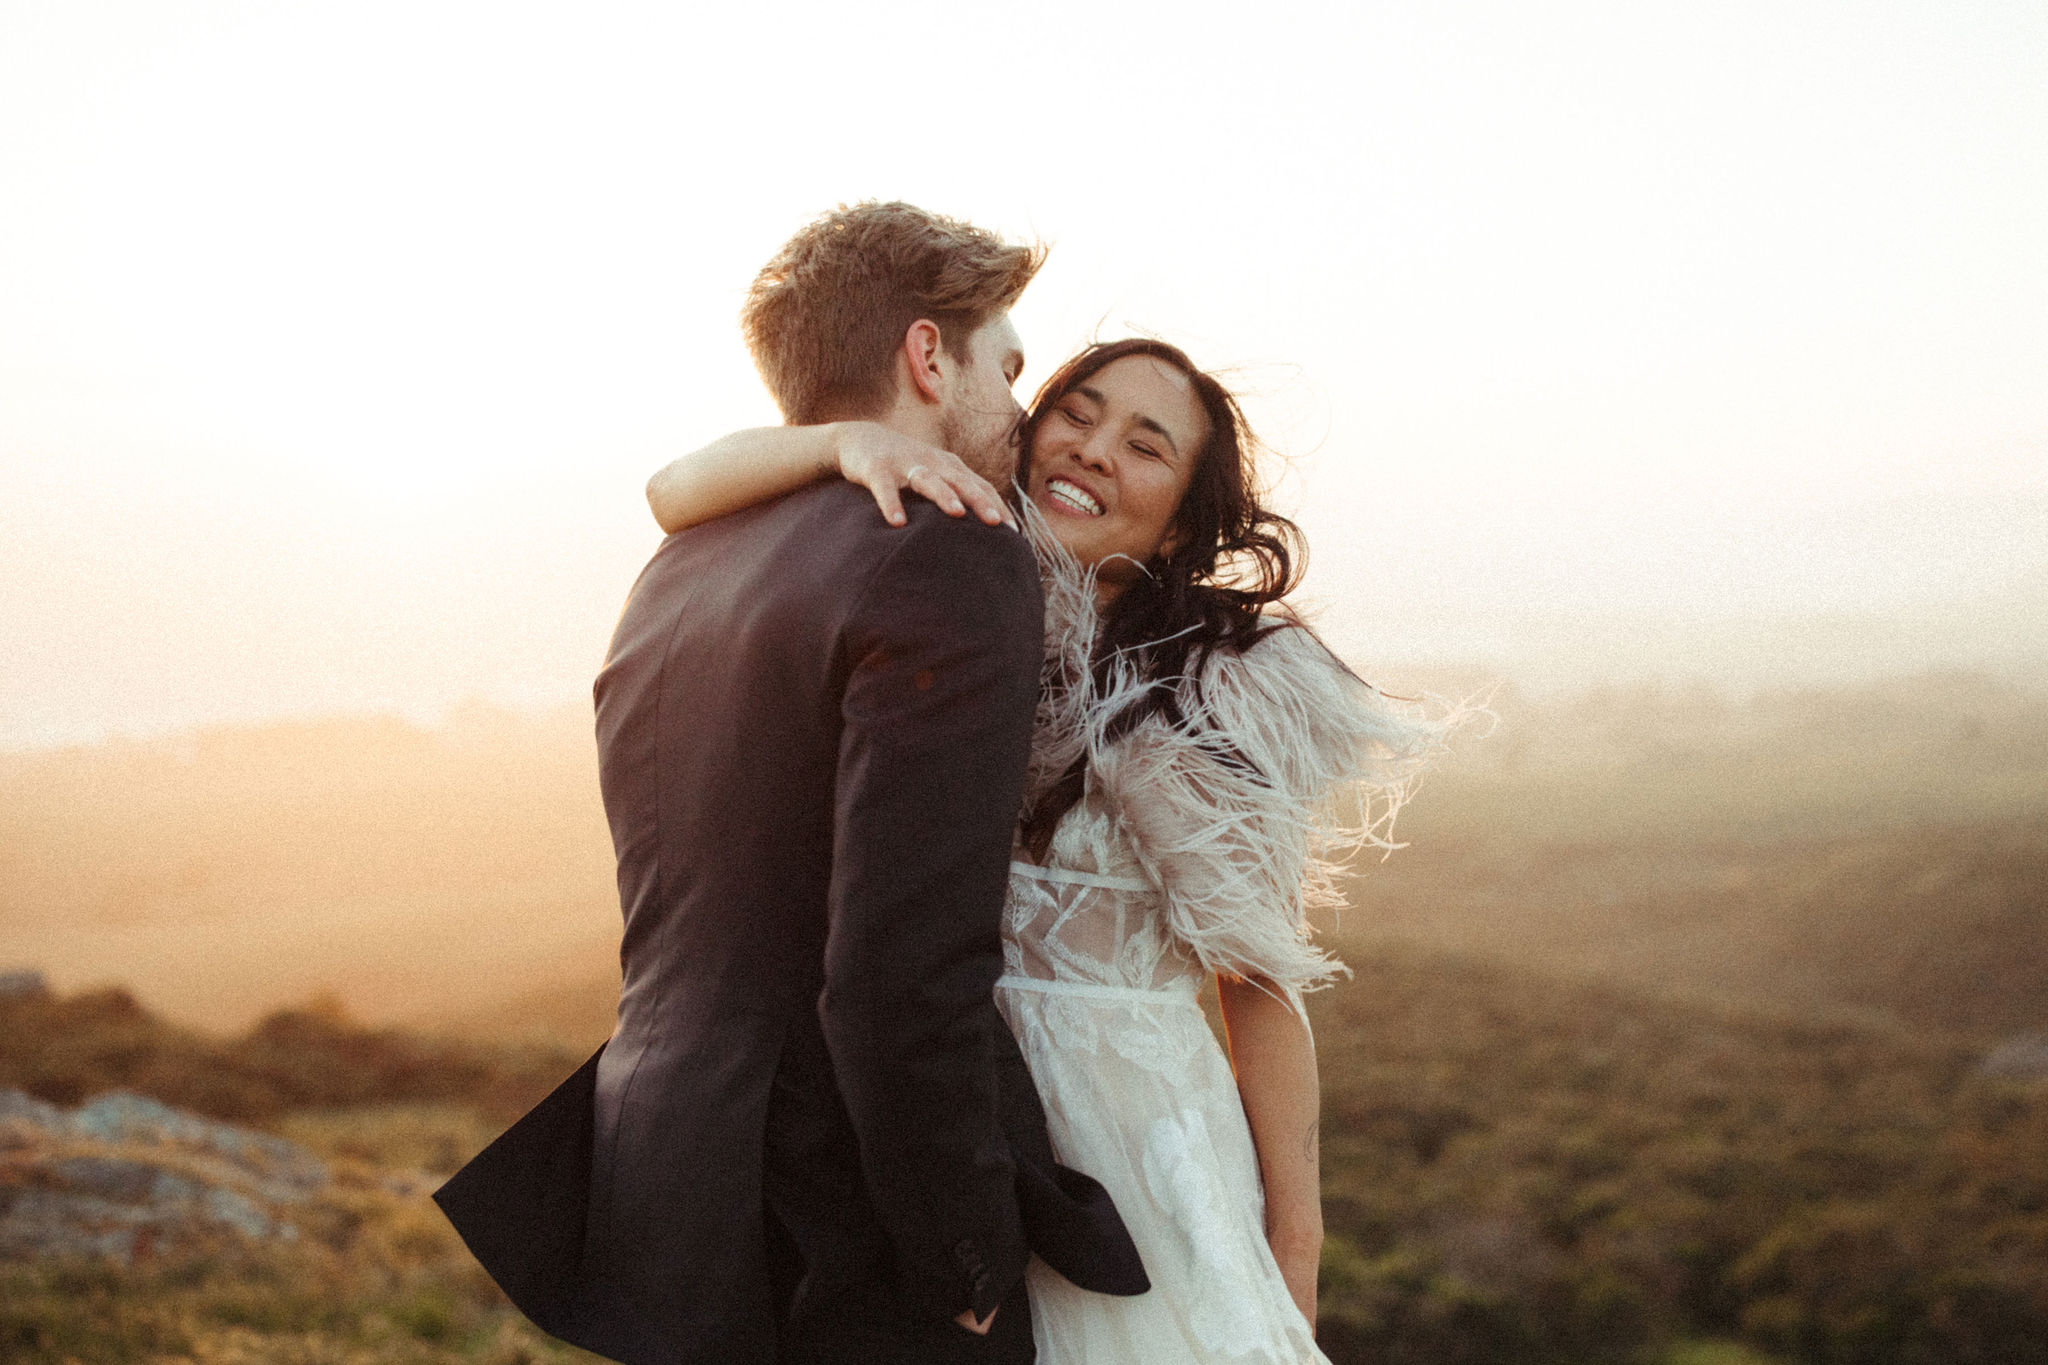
{"type": "Point", "coordinates": [1308, 1140]}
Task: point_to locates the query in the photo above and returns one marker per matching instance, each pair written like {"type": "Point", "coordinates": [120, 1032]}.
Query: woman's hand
{"type": "Point", "coordinates": [978, 1326]}
{"type": "Point", "coordinates": [885, 462]}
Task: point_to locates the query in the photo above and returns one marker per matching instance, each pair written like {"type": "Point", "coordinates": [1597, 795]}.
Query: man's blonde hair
{"type": "Point", "coordinates": [824, 317]}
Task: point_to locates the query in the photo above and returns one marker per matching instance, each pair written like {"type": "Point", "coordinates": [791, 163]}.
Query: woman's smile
{"type": "Point", "coordinates": [1063, 494]}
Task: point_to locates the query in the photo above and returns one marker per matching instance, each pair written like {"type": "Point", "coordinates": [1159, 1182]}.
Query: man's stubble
{"type": "Point", "coordinates": [993, 456]}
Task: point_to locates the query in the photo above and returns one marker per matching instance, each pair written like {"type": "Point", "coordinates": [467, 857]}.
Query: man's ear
{"type": "Point", "coordinates": [922, 347]}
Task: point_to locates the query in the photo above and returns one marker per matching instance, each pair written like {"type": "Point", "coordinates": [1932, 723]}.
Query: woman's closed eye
{"type": "Point", "coordinates": [1075, 417]}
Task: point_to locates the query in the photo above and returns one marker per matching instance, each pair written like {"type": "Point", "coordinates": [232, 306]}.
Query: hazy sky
{"type": "Point", "coordinates": [336, 341]}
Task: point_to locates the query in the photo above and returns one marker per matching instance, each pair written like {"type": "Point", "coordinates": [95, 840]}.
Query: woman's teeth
{"type": "Point", "coordinates": [1074, 496]}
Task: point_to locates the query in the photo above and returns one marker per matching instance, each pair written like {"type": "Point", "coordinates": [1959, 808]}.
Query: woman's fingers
{"type": "Point", "coordinates": [966, 490]}
{"type": "Point", "coordinates": [889, 500]}
{"type": "Point", "coordinates": [928, 481]}
{"type": "Point", "coordinates": [957, 490]}
{"type": "Point", "coordinates": [887, 462]}
{"type": "Point", "coordinates": [986, 502]}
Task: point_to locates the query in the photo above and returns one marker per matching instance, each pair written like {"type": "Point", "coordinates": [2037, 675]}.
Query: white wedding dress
{"type": "Point", "coordinates": [1198, 847]}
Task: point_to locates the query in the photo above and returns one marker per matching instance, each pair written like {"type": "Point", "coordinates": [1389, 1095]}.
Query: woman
{"type": "Point", "coordinates": [1192, 769]}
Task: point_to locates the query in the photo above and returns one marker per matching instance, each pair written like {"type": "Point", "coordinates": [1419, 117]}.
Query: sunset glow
{"type": "Point", "coordinates": [336, 341]}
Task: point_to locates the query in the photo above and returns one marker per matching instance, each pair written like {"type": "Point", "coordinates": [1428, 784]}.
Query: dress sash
{"type": "Point", "coordinates": [1068, 877]}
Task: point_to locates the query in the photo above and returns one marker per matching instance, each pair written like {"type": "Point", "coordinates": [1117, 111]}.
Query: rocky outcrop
{"type": "Point", "coordinates": [124, 1177]}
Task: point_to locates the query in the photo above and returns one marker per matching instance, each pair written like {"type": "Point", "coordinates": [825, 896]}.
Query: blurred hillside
{"type": "Point", "coordinates": [227, 873]}
{"type": "Point", "coordinates": [1881, 849]}
{"type": "Point", "coordinates": [1869, 848]}
{"type": "Point", "coordinates": [66, 1049]}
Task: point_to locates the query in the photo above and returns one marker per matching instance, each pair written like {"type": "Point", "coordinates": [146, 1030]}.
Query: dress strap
{"type": "Point", "coordinates": [1072, 878]}
{"type": "Point", "coordinates": [1088, 990]}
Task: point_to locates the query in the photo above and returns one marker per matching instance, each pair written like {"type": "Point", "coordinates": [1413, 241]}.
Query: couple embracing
{"type": "Point", "coordinates": [931, 821]}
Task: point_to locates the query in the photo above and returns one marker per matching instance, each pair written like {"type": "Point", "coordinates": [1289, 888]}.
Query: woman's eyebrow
{"type": "Point", "coordinates": [1148, 424]}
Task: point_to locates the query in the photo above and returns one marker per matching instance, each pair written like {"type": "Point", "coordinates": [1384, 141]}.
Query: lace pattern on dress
{"type": "Point", "coordinates": [1180, 1170]}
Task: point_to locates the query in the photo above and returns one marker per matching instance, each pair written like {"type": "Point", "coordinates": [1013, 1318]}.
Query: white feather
{"type": "Point", "coordinates": [1242, 814]}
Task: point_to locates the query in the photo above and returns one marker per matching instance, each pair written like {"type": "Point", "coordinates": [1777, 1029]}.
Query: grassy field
{"type": "Point", "coordinates": [1525, 1168]}
{"type": "Point", "coordinates": [1517, 1167]}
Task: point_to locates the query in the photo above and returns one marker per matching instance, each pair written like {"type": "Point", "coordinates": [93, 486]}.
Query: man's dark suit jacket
{"type": "Point", "coordinates": [810, 1137]}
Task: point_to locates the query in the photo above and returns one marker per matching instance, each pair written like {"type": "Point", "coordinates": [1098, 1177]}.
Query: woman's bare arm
{"type": "Point", "coordinates": [752, 466]}
{"type": "Point", "coordinates": [1274, 1057]}
{"type": "Point", "coordinates": [738, 471]}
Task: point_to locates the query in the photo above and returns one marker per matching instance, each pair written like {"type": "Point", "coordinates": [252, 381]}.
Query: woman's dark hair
{"type": "Point", "coordinates": [1232, 558]}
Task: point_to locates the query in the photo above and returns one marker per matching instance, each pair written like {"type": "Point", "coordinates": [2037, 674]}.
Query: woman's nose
{"type": "Point", "coordinates": [1095, 452]}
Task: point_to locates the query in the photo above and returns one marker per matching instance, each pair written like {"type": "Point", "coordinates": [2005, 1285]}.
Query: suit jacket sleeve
{"type": "Point", "coordinates": [943, 652]}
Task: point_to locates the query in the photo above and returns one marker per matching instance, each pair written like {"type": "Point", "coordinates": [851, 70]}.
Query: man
{"type": "Point", "coordinates": [810, 1137]}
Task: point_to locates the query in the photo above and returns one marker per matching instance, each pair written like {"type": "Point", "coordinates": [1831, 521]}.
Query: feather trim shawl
{"type": "Point", "coordinates": [1241, 814]}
